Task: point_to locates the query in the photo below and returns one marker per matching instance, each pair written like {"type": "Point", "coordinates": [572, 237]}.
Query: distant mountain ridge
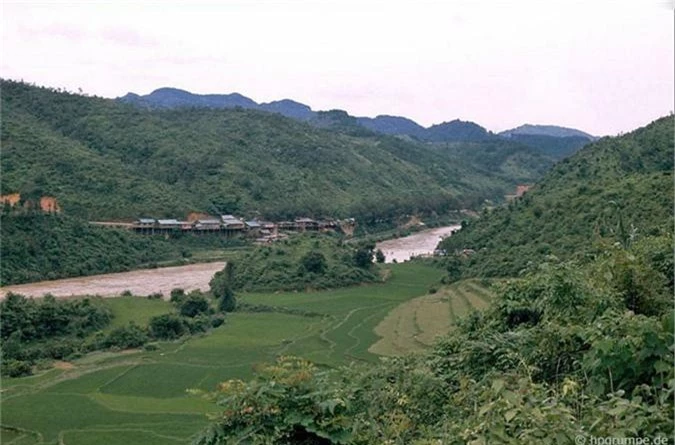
{"type": "Point", "coordinates": [452, 131]}
{"type": "Point", "coordinates": [546, 130]}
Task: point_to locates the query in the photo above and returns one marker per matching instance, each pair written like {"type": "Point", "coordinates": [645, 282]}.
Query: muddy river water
{"type": "Point", "coordinates": [197, 276]}
{"type": "Point", "coordinates": [139, 282]}
{"type": "Point", "coordinates": [420, 243]}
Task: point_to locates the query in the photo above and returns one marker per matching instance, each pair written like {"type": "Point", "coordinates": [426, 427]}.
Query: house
{"type": "Point", "coordinates": [145, 222]}
{"type": "Point", "coordinates": [253, 225]}
{"type": "Point", "coordinates": [207, 225]}
{"type": "Point", "coordinates": [168, 224]}
{"type": "Point", "coordinates": [232, 223]}
{"type": "Point", "coordinates": [306, 224]}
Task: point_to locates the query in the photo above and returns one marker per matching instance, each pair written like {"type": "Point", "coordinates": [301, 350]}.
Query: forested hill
{"type": "Point", "coordinates": [550, 140]}
{"type": "Point", "coordinates": [103, 159]}
{"type": "Point", "coordinates": [615, 189]}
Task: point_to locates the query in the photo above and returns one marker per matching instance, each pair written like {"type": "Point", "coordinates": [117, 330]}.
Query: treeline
{"type": "Point", "coordinates": [565, 351]}
{"type": "Point", "coordinates": [36, 331]}
{"type": "Point", "coordinates": [314, 261]}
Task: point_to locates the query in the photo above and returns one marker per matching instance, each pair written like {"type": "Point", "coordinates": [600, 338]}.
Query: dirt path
{"type": "Point", "coordinates": [421, 243]}
{"type": "Point", "coordinates": [139, 282]}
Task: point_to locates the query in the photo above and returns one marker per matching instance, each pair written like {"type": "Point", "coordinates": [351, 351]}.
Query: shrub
{"type": "Point", "coordinates": [167, 327]}
{"type": "Point", "coordinates": [194, 304]}
{"type": "Point", "coordinates": [130, 336]}
{"type": "Point", "coordinates": [16, 368]}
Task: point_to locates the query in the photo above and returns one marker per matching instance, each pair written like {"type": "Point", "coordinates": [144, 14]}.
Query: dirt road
{"type": "Point", "coordinates": [139, 282]}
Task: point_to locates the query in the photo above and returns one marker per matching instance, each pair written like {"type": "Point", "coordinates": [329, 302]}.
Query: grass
{"type": "Point", "coordinates": [138, 310]}
{"type": "Point", "coordinates": [414, 325]}
{"type": "Point", "coordinates": [141, 397]}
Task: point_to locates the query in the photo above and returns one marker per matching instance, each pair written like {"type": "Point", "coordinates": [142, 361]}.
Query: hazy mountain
{"type": "Point", "coordinates": [394, 125]}
{"type": "Point", "coordinates": [551, 140]}
{"type": "Point", "coordinates": [457, 130]}
{"type": "Point", "coordinates": [546, 130]}
{"type": "Point", "coordinates": [289, 108]}
{"type": "Point", "coordinates": [176, 98]}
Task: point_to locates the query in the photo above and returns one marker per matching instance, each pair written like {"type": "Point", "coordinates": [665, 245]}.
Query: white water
{"type": "Point", "coordinates": [420, 243]}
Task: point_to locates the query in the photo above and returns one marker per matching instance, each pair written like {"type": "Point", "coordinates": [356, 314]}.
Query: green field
{"type": "Point", "coordinates": [140, 397]}
{"type": "Point", "coordinates": [414, 325]}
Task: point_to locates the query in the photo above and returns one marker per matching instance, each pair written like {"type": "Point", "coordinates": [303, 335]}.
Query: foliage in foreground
{"type": "Point", "coordinates": [561, 352]}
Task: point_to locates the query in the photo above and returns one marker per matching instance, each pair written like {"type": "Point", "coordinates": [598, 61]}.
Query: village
{"type": "Point", "coordinates": [230, 225]}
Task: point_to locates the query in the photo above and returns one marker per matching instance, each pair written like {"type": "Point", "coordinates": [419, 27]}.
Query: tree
{"type": "Point", "coordinates": [221, 288]}
{"type": "Point", "coordinates": [379, 256]}
{"type": "Point", "coordinates": [167, 326]}
{"type": "Point", "coordinates": [314, 262]}
{"type": "Point", "coordinates": [363, 257]}
{"type": "Point", "coordinates": [194, 304]}
{"type": "Point", "coordinates": [129, 336]}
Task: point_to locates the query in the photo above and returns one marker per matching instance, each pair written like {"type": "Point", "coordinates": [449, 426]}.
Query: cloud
{"type": "Point", "coordinates": [54, 30]}
{"type": "Point", "coordinates": [127, 36]}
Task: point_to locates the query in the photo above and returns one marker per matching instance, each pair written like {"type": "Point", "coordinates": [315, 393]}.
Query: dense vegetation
{"type": "Point", "coordinates": [103, 159]}
{"type": "Point", "coordinates": [304, 261]}
{"type": "Point", "coordinates": [616, 187]}
{"type": "Point", "coordinates": [562, 352]}
{"type": "Point", "coordinates": [35, 331]}
{"type": "Point", "coordinates": [38, 246]}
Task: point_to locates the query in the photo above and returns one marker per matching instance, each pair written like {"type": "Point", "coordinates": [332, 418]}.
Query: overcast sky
{"type": "Point", "coordinates": [600, 66]}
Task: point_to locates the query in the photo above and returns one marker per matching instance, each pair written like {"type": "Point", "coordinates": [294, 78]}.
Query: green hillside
{"type": "Point", "coordinates": [106, 160]}
{"type": "Point", "coordinates": [618, 189]}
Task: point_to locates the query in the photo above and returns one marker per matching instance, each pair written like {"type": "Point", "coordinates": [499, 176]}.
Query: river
{"type": "Point", "coordinates": [197, 276]}
{"type": "Point", "coordinates": [139, 282]}
{"type": "Point", "coordinates": [420, 243]}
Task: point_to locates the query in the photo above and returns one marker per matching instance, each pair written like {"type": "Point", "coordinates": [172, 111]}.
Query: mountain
{"type": "Point", "coordinates": [550, 140]}
{"type": "Point", "coordinates": [393, 125]}
{"type": "Point", "coordinates": [617, 188]}
{"type": "Point", "coordinates": [175, 98]}
{"type": "Point", "coordinates": [546, 130]}
{"type": "Point", "coordinates": [103, 159]}
{"type": "Point", "coordinates": [457, 131]}
{"type": "Point", "coordinates": [289, 108]}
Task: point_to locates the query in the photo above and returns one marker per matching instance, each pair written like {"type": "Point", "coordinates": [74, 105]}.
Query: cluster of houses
{"type": "Point", "coordinates": [230, 225]}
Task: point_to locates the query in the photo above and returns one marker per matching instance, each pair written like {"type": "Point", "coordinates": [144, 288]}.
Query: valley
{"type": "Point", "coordinates": [542, 317]}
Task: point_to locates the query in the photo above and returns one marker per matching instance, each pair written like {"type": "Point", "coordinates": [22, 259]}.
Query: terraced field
{"type": "Point", "coordinates": [414, 325]}
{"type": "Point", "coordinates": [140, 397]}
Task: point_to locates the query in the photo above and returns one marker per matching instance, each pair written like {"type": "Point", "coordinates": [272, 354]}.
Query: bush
{"type": "Point", "coordinates": [125, 337]}
{"type": "Point", "coordinates": [167, 327]}
{"type": "Point", "coordinates": [16, 368]}
{"type": "Point", "coordinates": [177, 295]}
{"type": "Point", "coordinates": [217, 320]}
{"type": "Point", "coordinates": [155, 296]}
{"type": "Point", "coordinates": [194, 304]}
{"type": "Point", "coordinates": [314, 262]}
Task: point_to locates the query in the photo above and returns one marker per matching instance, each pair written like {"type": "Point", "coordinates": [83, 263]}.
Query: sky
{"type": "Point", "coordinates": [605, 67]}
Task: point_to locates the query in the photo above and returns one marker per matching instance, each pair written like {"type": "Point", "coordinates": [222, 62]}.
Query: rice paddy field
{"type": "Point", "coordinates": [142, 397]}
